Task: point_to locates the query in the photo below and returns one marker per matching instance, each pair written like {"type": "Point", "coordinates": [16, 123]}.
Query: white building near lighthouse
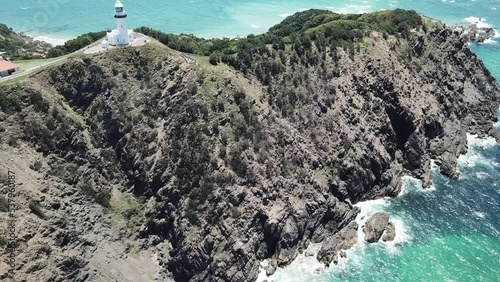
{"type": "Point", "coordinates": [121, 36]}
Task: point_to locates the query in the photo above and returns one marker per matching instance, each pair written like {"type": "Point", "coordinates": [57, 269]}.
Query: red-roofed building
{"type": "Point", "coordinates": [7, 68]}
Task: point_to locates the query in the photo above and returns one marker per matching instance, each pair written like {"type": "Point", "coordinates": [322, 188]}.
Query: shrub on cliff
{"type": "Point", "coordinates": [4, 205]}
{"type": "Point", "coordinates": [20, 46]}
{"type": "Point", "coordinates": [76, 44]}
{"type": "Point", "coordinates": [214, 59]}
{"type": "Point", "coordinates": [36, 209]}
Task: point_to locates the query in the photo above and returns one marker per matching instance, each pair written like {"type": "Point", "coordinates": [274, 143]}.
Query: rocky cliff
{"type": "Point", "coordinates": [142, 164]}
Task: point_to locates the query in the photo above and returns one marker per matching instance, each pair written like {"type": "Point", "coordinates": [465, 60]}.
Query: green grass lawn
{"type": "Point", "coordinates": [29, 64]}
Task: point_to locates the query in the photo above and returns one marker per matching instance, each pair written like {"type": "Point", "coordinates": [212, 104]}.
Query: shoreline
{"type": "Point", "coordinates": [464, 22]}
{"type": "Point", "coordinates": [49, 39]}
{"type": "Point", "coordinates": [311, 268]}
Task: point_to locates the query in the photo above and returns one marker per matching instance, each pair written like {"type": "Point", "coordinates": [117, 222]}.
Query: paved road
{"type": "Point", "coordinates": [32, 70]}
{"type": "Point", "coordinates": [90, 49]}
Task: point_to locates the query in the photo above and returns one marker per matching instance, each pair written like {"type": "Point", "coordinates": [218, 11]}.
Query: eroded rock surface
{"type": "Point", "coordinates": [342, 240]}
{"type": "Point", "coordinates": [390, 232]}
{"type": "Point", "coordinates": [375, 227]}
{"type": "Point", "coordinates": [225, 168]}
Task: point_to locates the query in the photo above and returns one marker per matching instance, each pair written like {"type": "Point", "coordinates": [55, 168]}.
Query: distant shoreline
{"type": "Point", "coordinates": [49, 39]}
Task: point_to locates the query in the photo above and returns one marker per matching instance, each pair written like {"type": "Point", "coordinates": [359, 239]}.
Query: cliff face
{"type": "Point", "coordinates": [212, 170]}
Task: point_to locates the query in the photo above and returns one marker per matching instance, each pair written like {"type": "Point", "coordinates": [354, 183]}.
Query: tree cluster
{"type": "Point", "coordinates": [75, 44]}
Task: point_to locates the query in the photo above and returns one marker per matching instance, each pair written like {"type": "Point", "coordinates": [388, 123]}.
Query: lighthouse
{"type": "Point", "coordinates": [121, 36]}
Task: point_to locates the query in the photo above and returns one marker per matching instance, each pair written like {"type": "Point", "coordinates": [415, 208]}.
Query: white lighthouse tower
{"type": "Point", "coordinates": [121, 36]}
{"type": "Point", "coordinates": [121, 24]}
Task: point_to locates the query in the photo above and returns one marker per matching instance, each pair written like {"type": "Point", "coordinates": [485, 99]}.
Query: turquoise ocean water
{"type": "Point", "coordinates": [65, 19]}
{"type": "Point", "coordinates": [448, 233]}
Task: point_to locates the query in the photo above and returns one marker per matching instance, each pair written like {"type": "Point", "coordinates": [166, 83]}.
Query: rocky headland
{"type": "Point", "coordinates": [478, 31]}
{"type": "Point", "coordinates": [141, 165]}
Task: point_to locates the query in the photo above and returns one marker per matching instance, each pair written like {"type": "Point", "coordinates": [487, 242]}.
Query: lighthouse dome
{"type": "Point", "coordinates": [118, 4]}
{"type": "Point", "coordinates": [119, 7]}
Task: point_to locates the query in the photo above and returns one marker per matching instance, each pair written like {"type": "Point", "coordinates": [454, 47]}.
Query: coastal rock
{"type": "Point", "coordinates": [232, 165]}
{"type": "Point", "coordinates": [418, 46]}
{"type": "Point", "coordinates": [343, 240]}
{"type": "Point", "coordinates": [448, 165]}
{"type": "Point", "coordinates": [271, 267]}
{"type": "Point", "coordinates": [390, 232]}
{"type": "Point", "coordinates": [288, 247]}
{"type": "Point", "coordinates": [478, 31]}
{"type": "Point", "coordinates": [375, 226]}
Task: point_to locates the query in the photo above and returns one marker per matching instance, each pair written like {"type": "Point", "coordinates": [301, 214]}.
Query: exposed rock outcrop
{"type": "Point", "coordinates": [379, 227]}
{"type": "Point", "coordinates": [375, 227]}
{"type": "Point", "coordinates": [479, 34]}
{"type": "Point", "coordinates": [390, 232]}
{"type": "Point", "coordinates": [342, 240]}
{"type": "Point", "coordinates": [226, 168]}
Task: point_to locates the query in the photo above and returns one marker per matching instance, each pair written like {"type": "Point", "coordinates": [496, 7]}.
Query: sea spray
{"type": "Point", "coordinates": [307, 268]}
{"type": "Point", "coordinates": [303, 268]}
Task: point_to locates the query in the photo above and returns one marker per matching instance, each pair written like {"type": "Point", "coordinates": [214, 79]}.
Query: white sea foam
{"type": "Point", "coordinates": [402, 236]}
{"type": "Point", "coordinates": [309, 268]}
{"type": "Point", "coordinates": [414, 185]}
{"type": "Point", "coordinates": [368, 208]}
{"type": "Point", "coordinates": [473, 156]}
{"type": "Point", "coordinates": [285, 15]}
{"type": "Point", "coordinates": [301, 269]}
{"type": "Point", "coordinates": [497, 124]}
{"type": "Point", "coordinates": [410, 184]}
{"type": "Point", "coordinates": [51, 40]}
{"type": "Point", "coordinates": [479, 22]}
{"type": "Point", "coordinates": [351, 8]}
{"type": "Point", "coordinates": [475, 142]}
{"type": "Point", "coordinates": [306, 268]}
{"type": "Point", "coordinates": [489, 41]}
{"type": "Point", "coordinates": [482, 175]}
{"type": "Point", "coordinates": [480, 215]}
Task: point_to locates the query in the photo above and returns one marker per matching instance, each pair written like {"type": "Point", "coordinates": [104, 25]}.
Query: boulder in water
{"type": "Point", "coordinates": [375, 227]}
{"type": "Point", "coordinates": [308, 254]}
{"type": "Point", "coordinates": [271, 267]}
{"type": "Point", "coordinates": [390, 232]}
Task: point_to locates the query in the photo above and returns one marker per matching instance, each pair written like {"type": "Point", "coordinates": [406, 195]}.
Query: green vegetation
{"type": "Point", "coordinates": [76, 44]}
{"type": "Point", "coordinates": [127, 206]}
{"type": "Point", "coordinates": [4, 205]}
{"type": "Point", "coordinates": [189, 43]}
{"type": "Point", "coordinates": [36, 166]}
{"type": "Point", "coordinates": [298, 32]}
{"type": "Point", "coordinates": [36, 208]}
{"type": "Point", "coordinates": [3, 241]}
{"type": "Point", "coordinates": [88, 186]}
{"type": "Point", "coordinates": [29, 64]}
{"type": "Point", "coordinates": [14, 98]}
{"type": "Point", "coordinates": [312, 22]}
{"type": "Point", "coordinates": [19, 46]}
{"type": "Point", "coordinates": [45, 249]}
